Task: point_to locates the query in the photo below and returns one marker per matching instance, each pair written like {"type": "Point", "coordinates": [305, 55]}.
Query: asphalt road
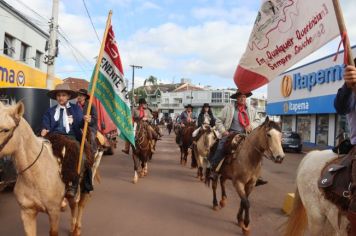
{"type": "Point", "coordinates": [169, 201]}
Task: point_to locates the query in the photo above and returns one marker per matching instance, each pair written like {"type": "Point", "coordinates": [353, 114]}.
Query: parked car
{"type": "Point", "coordinates": [291, 141]}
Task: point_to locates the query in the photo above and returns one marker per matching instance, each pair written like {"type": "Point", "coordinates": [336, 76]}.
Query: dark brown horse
{"type": "Point", "coordinates": [169, 127]}
{"type": "Point", "coordinates": [142, 152]}
{"type": "Point", "coordinates": [245, 165]}
{"type": "Point", "coordinates": [187, 140]}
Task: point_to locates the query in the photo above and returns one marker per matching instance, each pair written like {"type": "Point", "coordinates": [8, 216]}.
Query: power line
{"type": "Point", "coordinates": [91, 21]}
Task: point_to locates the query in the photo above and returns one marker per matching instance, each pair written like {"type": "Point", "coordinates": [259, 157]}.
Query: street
{"type": "Point", "coordinates": [169, 201]}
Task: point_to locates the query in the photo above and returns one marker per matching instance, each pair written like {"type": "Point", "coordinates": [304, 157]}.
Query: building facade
{"type": "Point", "coordinates": [304, 98]}
{"type": "Point", "coordinates": [22, 50]}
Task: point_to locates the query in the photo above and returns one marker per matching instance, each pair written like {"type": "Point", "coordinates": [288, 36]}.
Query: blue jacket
{"type": "Point", "coordinates": [50, 124]}
{"type": "Point", "coordinates": [184, 117]}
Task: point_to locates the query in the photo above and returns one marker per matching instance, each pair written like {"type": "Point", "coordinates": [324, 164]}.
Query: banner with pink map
{"type": "Point", "coordinates": [285, 31]}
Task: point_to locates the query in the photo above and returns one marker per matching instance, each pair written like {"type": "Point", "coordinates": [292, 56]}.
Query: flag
{"type": "Point", "coordinates": [111, 89]}
{"type": "Point", "coordinates": [284, 32]}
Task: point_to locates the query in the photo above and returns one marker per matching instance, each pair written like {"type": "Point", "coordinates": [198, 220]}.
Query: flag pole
{"type": "Point", "coordinates": [343, 32]}
{"type": "Point", "coordinates": [95, 78]}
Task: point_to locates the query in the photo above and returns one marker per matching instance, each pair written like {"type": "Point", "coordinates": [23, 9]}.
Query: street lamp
{"type": "Point", "coordinates": [133, 83]}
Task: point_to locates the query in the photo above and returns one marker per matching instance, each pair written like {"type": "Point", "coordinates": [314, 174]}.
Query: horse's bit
{"type": "Point", "coordinates": [7, 139]}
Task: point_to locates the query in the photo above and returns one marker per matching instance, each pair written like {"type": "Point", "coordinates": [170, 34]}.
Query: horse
{"type": "Point", "coordinates": [187, 141]}
{"type": "Point", "coordinates": [245, 166]}
{"type": "Point", "coordinates": [39, 186]}
{"type": "Point", "coordinates": [310, 208]}
{"type": "Point", "coordinates": [142, 150]}
{"type": "Point", "coordinates": [202, 148]}
{"type": "Point", "coordinates": [169, 127]}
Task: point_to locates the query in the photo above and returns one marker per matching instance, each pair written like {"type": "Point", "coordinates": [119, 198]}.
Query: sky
{"type": "Point", "coordinates": [201, 40]}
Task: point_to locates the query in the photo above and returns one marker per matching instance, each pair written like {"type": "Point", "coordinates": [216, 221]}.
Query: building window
{"type": "Point", "coordinates": [227, 97]}
{"type": "Point", "coordinates": [342, 129]}
{"type": "Point", "coordinates": [8, 45]}
{"type": "Point", "coordinates": [287, 123]}
{"type": "Point", "coordinates": [322, 128]}
{"type": "Point", "coordinates": [24, 52]}
{"type": "Point", "coordinates": [216, 97]}
{"type": "Point", "coordinates": [304, 127]}
{"type": "Point", "coordinates": [38, 59]}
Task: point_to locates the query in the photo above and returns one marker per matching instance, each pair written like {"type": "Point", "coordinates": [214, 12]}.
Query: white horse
{"type": "Point", "coordinates": [311, 210]}
{"type": "Point", "coordinates": [39, 187]}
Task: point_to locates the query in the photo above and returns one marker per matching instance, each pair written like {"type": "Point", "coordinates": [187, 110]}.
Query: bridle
{"type": "Point", "coordinates": [7, 139]}
{"type": "Point", "coordinates": [268, 149]}
{"type": "Point", "coordinates": [28, 167]}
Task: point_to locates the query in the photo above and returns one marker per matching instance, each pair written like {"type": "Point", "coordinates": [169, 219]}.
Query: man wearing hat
{"type": "Point", "coordinates": [66, 119]}
{"type": "Point", "coordinates": [205, 117]}
{"type": "Point", "coordinates": [234, 118]}
{"type": "Point", "coordinates": [82, 102]}
{"type": "Point", "coordinates": [185, 117]}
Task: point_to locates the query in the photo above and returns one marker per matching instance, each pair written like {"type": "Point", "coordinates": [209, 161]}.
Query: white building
{"type": "Point", "coordinates": [22, 49]}
{"type": "Point", "coordinates": [304, 98]}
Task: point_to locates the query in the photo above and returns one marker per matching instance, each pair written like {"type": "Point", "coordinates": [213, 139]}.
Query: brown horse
{"type": "Point", "coordinates": [39, 187]}
{"type": "Point", "coordinates": [245, 166]}
{"type": "Point", "coordinates": [142, 152]}
{"type": "Point", "coordinates": [169, 127]}
{"type": "Point", "coordinates": [187, 140]}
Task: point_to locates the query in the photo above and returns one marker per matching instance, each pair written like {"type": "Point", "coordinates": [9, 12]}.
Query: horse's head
{"type": "Point", "coordinates": [10, 117]}
{"type": "Point", "coordinates": [273, 143]}
{"type": "Point", "coordinates": [210, 136]}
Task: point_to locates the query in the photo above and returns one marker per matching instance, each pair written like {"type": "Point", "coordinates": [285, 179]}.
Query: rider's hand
{"type": "Point", "coordinates": [70, 119]}
{"type": "Point", "coordinates": [87, 118]}
{"type": "Point", "coordinates": [182, 125]}
{"type": "Point", "coordinates": [44, 132]}
{"type": "Point", "coordinates": [226, 133]}
{"type": "Point", "coordinates": [248, 129]}
{"type": "Point", "coordinates": [144, 118]}
{"type": "Point", "coordinates": [350, 76]}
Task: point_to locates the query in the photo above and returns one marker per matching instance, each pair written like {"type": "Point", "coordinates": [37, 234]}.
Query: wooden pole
{"type": "Point", "coordinates": [97, 67]}
{"type": "Point", "coordinates": [342, 28]}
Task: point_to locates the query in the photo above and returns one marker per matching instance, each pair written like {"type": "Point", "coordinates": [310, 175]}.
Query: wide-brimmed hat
{"type": "Point", "coordinates": [238, 93]}
{"type": "Point", "coordinates": [62, 88]}
{"type": "Point", "coordinates": [189, 105]}
{"type": "Point", "coordinates": [84, 92]}
{"type": "Point", "coordinates": [142, 101]}
{"type": "Point", "coordinates": [206, 105]}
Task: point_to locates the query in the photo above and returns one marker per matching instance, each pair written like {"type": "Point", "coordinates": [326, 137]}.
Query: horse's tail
{"type": "Point", "coordinates": [298, 221]}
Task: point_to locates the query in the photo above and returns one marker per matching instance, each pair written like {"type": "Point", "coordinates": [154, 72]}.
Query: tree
{"type": "Point", "coordinates": [152, 80]}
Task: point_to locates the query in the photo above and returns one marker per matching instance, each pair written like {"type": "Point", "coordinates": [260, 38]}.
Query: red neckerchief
{"type": "Point", "coordinates": [242, 116]}
{"type": "Point", "coordinates": [142, 112]}
{"type": "Point", "coordinates": [80, 105]}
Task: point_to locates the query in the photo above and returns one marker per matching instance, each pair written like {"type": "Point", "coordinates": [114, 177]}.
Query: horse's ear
{"type": "Point", "coordinates": [266, 120]}
{"type": "Point", "coordinates": [19, 110]}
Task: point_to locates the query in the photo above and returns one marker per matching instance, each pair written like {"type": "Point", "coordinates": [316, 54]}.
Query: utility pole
{"type": "Point", "coordinates": [52, 46]}
{"type": "Point", "coordinates": [133, 83]}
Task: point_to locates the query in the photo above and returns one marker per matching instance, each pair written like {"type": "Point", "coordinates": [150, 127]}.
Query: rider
{"type": "Point", "coordinates": [345, 104]}
{"type": "Point", "coordinates": [205, 117]}
{"type": "Point", "coordinates": [234, 118]}
{"type": "Point", "coordinates": [186, 117]}
{"type": "Point", "coordinates": [82, 102]}
{"type": "Point", "coordinates": [66, 119]}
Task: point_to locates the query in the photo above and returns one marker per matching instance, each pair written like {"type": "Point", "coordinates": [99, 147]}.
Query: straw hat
{"type": "Point", "coordinates": [62, 88]}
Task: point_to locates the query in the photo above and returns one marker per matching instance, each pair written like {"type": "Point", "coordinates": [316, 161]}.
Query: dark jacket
{"type": "Point", "coordinates": [50, 124]}
{"type": "Point", "coordinates": [184, 117]}
{"type": "Point", "coordinates": [201, 120]}
{"type": "Point", "coordinates": [94, 116]}
{"type": "Point", "coordinates": [343, 102]}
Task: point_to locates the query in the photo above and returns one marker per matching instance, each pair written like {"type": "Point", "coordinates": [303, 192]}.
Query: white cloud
{"type": "Point", "coordinates": [150, 6]}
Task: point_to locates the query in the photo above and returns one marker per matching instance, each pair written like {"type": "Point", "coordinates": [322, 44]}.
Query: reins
{"type": "Point", "coordinates": [34, 162]}
{"type": "Point", "coordinates": [269, 157]}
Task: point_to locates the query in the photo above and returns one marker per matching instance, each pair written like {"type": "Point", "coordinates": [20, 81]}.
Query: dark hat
{"type": "Point", "coordinates": [238, 93]}
{"type": "Point", "coordinates": [206, 105]}
{"type": "Point", "coordinates": [189, 105]}
{"type": "Point", "coordinates": [84, 92]}
{"type": "Point", "coordinates": [142, 101]}
{"type": "Point", "coordinates": [62, 88]}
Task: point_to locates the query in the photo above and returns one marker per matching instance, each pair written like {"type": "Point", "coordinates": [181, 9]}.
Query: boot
{"type": "Point", "coordinates": [126, 148]}
{"type": "Point", "coordinates": [72, 188]}
{"type": "Point", "coordinates": [260, 181]}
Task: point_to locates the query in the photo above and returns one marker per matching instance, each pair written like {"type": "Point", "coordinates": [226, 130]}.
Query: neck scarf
{"type": "Point", "coordinates": [65, 116]}
{"type": "Point", "coordinates": [242, 116]}
{"type": "Point", "coordinates": [142, 112]}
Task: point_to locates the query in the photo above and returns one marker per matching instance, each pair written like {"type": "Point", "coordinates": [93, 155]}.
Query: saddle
{"type": "Point", "coordinates": [232, 143]}
{"type": "Point", "coordinates": [335, 181]}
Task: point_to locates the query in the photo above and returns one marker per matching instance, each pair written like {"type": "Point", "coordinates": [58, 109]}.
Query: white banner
{"type": "Point", "coordinates": [285, 31]}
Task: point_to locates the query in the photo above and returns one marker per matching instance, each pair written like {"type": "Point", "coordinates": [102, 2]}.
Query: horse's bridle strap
{"type": "Point", "coordinates": [34, 162]}
{"type": "Point", "coordinates": [7, 139]}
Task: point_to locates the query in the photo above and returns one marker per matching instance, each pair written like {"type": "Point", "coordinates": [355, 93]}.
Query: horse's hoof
{"type": "Point", "coordinates": [222, 203]}
{"type": "Point", "coordinates": [246, 230]}
{"type": "Point", "coordinates": [202, 179]}
{"type": "Point", "coordinates": [240, 224]}
{"type": "Point", "coordinates": [215, 208]}
{"type": "Point", "coordinates": [135, 180]}
{"type": "Point", "coordinates": [141, 175]}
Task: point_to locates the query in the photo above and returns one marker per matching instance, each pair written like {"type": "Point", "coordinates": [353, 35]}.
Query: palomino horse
{"type": "Point", "coordinates": [310, 206]}
{"type": "Point", "coordinates": [187, 140]}
{"type": "Point", "coordinates": [245, 166]}
{"type": "Point", "coordinates": [39, 187]}
{"type": "Point", "coordinates": [202, 148]}
{"type": "Point", "coordinates": [142, 151]}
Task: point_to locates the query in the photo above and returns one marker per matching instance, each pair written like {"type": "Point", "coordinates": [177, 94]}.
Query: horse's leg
{"type": "Point", "coordinates": [74, 211]}
{"type": "Point", "coordinates": [54, 222]}
{"type": "Point", "coordinates": [84, 198]}
{"type": "Point", "coordinates": [135, 178]}
{"type": "Point", "coordinates": [200, 173]}
{"type": "Point", "coordinates": [244, 206]}
{"type": "Point", "coordinates": [185, 156]}
{"type": "Point", "coordinates": [28, 217]}
{"type": "Point", "coordinates": [248, 189]}
{"type": "Point", "coordinates": [194, 161]}
{"type": "Point", "coordinates": [142, 171]}
{"type": "Point", "coordinates": [145, 169]}
{"type": "Point", "coordinates": [223, 191]}
{"type": "Point", "coordinates": [215, 200]}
